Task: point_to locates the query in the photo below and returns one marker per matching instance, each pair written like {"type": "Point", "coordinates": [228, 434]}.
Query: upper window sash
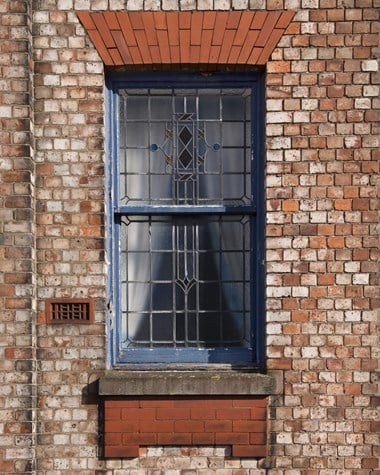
{"type": "Point", "coordinates": [165, 81]}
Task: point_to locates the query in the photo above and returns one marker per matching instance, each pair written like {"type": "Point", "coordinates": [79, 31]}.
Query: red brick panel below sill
{"type": "Point", "coordinates": [131, 422]}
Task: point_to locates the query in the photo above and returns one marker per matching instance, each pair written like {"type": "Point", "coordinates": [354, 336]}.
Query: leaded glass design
{"type": "Point", "coordinates": [184, 210]}
{"type": "Point", "coordinates": [185, 147]}
{"type": "Point", "coordinates": [185, 281]}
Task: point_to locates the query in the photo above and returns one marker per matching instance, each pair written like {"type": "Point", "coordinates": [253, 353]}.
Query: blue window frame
{"type": "Point", "coordinates": [186, 218]}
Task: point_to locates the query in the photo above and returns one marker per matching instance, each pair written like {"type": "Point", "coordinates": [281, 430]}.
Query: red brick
{"type": "Point", "coordinates": [249, 426]}
{"type": "Point", "coordinates": [218, 426]}
{"type": "Point", "coordinates": [121, 403]}
{"type": "Point", "coordinates": [370, 463]}
{"type": "Point", "coordinates": [156, 426]}
{"type": "Point", "coordinates": [173, 413]}
{"type": "Point", "coordinates": [156, 403]}
{"type": "Point", "coordinates": [202, 413]}
{"type": "Point", "coordinates": [251, 402]}
{"type": "Point", "coordinates": [139, 414]}
{"type": "Point", "coordinates": [259, 413]}
{"type": "Point", "coordinates": [249, 450]}
{"type": "Point", "coordinates": [121, 451]}
{"type": "Point", "coordinates": [189, 426]}
{"type": "Point", "coordinates": [228, 438]}
{"type": "Point", "coordinates": [174, 439]}
{"type": "Point", "coordinates": [203, 438]}
{"type": "Point", "coordinates": [233, 414]}
{"type": "Point", "coordinates": [134, 438]}
{"type": "Point", "coordinates": [112, 439]}
{"type": "Point", "coordinates": [103, 30]}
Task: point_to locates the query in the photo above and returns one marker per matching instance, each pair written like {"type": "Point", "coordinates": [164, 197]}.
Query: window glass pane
{"type": "Point", "coordinates": [162, 297]}
{"type": "Point", "coordinates": [138, 161]}
{"type": "Point", "coordinates": [163, 328]}
{"type": "Point", "coordinates": [162, 266]}
{"type": "Point", "coordinates": [210, 188]}
{"type": "Point", "coordinates": [138, 329]}
{"type": "Point", "coordinates": [191, 268]}
{"type": "Point", "coordinates": [234, 328]}
{"type": "Point", "coordinates": [161, 235]}
{"type": "Point", "coordinates": [233, 108]}
{"type": "Point", "coordinates": [233, 134]}
{"type": "Point", "coordinates": [136, 107]}
{"type": "Point", "coordinates": [186, 144]}
{"type": "Point", "coordinates": [137, 264]}
{"type": "Point", "coordinates": [137, 188]}
{"type": "Point", "coordinates": [234, 189]}
{"type": "Point", "coordinates": [209, 107]}
{"type": "Point", "coordinates": [209, 328]}
{"type": "Point", "coordinates": [139, 297]}
{"type": "Point", "coordinates": [161, 107]}
{"type": "Point", "coordinates": [234, 160]}
{"type": "Point", "coordinates": [161, 188]}
{"type": "Point", "coordinates": [137, 134]}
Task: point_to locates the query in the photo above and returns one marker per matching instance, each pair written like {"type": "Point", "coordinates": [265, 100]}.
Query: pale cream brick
{"type": "Point", "coordinates": [278, 117]}
{"type": "Point", "coordinates": [370, 65]}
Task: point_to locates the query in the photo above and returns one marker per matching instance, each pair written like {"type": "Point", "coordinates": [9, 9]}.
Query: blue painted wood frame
{"type": "Point", "coordinates": [254, 356]}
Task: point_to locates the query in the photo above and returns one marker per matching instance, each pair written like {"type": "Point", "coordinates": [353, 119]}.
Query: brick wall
{"type": "Point", "coordinates": [322, 170]}
{"type": "Point", "coordinates": [16, 243]}
{"type": "Point", "coordinates": [321, 238]}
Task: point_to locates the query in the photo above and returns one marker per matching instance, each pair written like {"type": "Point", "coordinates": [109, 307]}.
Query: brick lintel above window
{"type": "Point", "coordinates": [211, 38]}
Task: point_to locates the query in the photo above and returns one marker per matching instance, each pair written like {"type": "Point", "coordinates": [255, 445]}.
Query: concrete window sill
{"type": "Point", "coordinates": [184, 383]}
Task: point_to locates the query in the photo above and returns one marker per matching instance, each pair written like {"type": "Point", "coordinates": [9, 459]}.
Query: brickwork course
{"type": "Point", "coordinates": [322, 246]}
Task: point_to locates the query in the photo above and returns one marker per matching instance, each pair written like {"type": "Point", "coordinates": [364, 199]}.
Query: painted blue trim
{"type": "Point", "coordinates": [110, 256]}
{"type": "Point", "coordinates": [258, 224]}
{"type": "Point", "coordinates": [167, 80]}
{"type": "Point", "coordinates": [183, 355]}
{"type": "Point", "coordinates": [116, 353]}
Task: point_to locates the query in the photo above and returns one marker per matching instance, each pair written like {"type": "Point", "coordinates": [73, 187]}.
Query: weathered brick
{"type": "Point", "coordinates": [321, 241]}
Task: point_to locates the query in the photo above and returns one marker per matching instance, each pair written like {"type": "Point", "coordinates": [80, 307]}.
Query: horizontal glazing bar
{"type": "Point", "coordinates": [164, 210]}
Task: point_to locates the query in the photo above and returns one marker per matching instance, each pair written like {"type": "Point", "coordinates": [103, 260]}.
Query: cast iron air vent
{"type": "Point", "coordinates": [69, 311]}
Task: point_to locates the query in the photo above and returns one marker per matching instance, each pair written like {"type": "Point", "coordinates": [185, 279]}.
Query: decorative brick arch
{"type": "Point", "coordinates": [209, 38]}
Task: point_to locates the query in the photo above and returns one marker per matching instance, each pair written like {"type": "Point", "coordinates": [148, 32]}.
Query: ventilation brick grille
{"type": "Point", "coordinates": [69, 311]}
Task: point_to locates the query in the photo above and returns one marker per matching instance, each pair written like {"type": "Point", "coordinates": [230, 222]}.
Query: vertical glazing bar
{"type": "Point", "coordinates": [185, 266]}
{"type": "Point", "coordinates": [150, 285]}
{"type": "Point", "coordinates": [197, 283]}
{"type": "Point", "coordinates": [220, 293]}
{"type": "Point", "coordinates": [196, 171]}
{"type": "Point", "coordinates": [149, 99]}
{"type": "Point", "coordinates": [222, 150]}
{"type": "Point", "coordinates": [175, 161]}
{"type": "Point", "coordinates": [174, 285]}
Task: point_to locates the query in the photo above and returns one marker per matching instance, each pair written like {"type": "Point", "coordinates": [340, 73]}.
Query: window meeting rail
{"type": "Point", "coordinates": [184, 210]}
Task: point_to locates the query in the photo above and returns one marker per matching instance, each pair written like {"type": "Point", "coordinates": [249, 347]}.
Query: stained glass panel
{"type": "Point", "coordinates": [183, 140]}
{"type": "Point", "coordinates": [192, 281]}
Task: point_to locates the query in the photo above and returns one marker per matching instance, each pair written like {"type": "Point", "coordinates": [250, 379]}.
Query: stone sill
{"type": "Point", "coordinates": [186, 383]}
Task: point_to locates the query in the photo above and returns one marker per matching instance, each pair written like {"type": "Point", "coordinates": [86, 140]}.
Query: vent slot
{"type": "Point", "coordinates": [69, 311]}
